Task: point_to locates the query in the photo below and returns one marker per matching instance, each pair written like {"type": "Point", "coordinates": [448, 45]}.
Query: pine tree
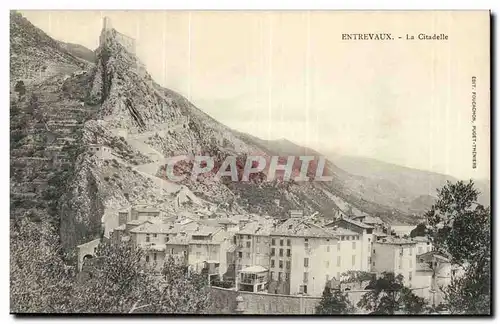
{"type": "Point", "coordinates": [334, 302]}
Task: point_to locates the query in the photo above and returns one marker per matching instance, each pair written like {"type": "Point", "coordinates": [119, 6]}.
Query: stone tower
{"type": "Point", "coordinates": [106, 23]}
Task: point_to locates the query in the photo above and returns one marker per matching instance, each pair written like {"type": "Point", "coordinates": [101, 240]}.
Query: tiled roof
{"type": "Point", "coordinates": [369, 219]}
{"type": "Point", "coordinates": [204, 242]}
{"type": "Point", "coordinates": [164, 228]}
{"type": "Point", "coordinates": [395, 241]}
{"type": "Point", "coordinates": [355, 222]}
{"type": "Point", "coordinates": [253, 269]}
{"type": "Point", "coordinates": [299, 228]}
{"type": "Point", "coordinates": [342, 231]}
{"type": "Point", "coordinates": [421, 239]}
{"type": "Point", "coordinates": [257, 228]}
{"type": "Point", "coordinates": [145, 210]}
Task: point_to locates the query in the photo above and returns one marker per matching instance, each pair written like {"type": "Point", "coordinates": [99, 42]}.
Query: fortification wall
{"type": "Point", "coordinates": [262, 303]}
{"type": "Point", "coordinates": [127, 42]}
{"type": "Point", "coordinates": [124, 40]}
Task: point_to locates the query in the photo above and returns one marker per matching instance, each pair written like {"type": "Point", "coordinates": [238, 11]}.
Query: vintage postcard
{"type": "Point", "coordinates": [250, 162]}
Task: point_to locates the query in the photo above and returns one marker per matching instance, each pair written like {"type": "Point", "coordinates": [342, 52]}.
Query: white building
{"type": "Point", "coordinates": [395, 255]}
{"type": "Point", "coordinates": [303, 256]}
{"type": "Point", "coordinates": [364, 233]}
{"type": "Point", "coordinates": [424, 245]}
{"type": "Point", "coordinates": [101, 151]}
{"type": "Point", "coordinates": [401, 229]}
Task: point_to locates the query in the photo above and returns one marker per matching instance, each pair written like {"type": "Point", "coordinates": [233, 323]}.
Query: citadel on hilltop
{"type": "Point", "coordinates": [125, 41]}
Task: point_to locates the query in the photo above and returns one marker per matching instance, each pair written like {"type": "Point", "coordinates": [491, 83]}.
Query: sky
{"type": "Point", "coordinates": [290, 75]}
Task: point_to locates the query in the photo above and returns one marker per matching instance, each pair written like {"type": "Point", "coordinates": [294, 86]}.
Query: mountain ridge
{"type": "Point", "coordinates": [114, 103]}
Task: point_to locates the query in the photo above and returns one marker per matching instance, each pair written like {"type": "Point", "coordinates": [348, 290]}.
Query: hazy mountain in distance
{"type": "Point", "coordinates": [420, 183]}
{"type": "Point", "coordinates": [79, 51]}
{"type": "Point", "coordinates": [115, 103]}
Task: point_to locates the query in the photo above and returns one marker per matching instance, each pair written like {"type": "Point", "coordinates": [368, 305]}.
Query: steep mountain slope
{"type": "Point", "coordinates": [34, 55]}
{"type": "Point", "coordinates": [115, 104]}
{"type": "Point", "coordinates": [417, 187]}
{"type": "Point", "coordinates": [79, 51]}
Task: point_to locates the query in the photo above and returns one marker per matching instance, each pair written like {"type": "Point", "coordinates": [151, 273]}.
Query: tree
{"type": "Point", "coordinates": [460, 227]}
{"type": "Point", "coordinates": [388, 295]}
{"type": "Point", "coordinates": [458, 224]}
{"type": "Point", "coordinates": [20, 88]}
{"type": "Point", "coordinates": [334, 302]}
{"type": "Point", "coordinates": [40, 282]}
{"type": "Point", "coordinates": [118, 281]}
{"type": "Point", "coordinates": [420, 230]}
{"type": "Point", "coordinates": [181, 291]}
{"type": "Point", "coordinates": [121, 282]}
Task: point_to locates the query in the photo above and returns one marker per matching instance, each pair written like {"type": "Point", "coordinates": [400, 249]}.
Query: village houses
{"type": "Point", "coordinates": [293, 256]}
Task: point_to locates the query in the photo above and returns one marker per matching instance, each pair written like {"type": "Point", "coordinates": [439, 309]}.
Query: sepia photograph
{"type": "Point", "coordinates": [250, 162]}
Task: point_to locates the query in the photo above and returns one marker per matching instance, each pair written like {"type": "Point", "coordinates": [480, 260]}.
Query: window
{"type": "Point", "coordinates": [281, 252]}
{"type": "Point", "coordinates": [338, 261]}
{"type": "Point", "coordinates": [272, 263]}
{"type": "Point", "coordinates": [328, 248]}
{"type": "Point", "coordinates": [281, 242]}
{"type": "Point", "coordinates": [373, 264]}
{"type": "Point", "coordinates": [327, 264]}
{"type": "Point", "coordinates": [347, 238]}
{"type": "Point", "coordinates": [306, 277]}
{"type": "Point", "coordinates": [288, 253]}
{"type": "Point", "coordinates": [354, 245]}
{"type": "Point", "coordinates": [258, 239]}
{"type": "Point", "coordinates": [338, 246]}
{"type": "Point", "coordinates": [353, 260]}
{"type": "Point", "coordinates": [306, 262]}
{"type": "Point", "coordinates": [281, 264]}
{"type": "Point", "coordinates": [249, 237]}
{"type": "Point", "coordinates": [147, 238]}
{"type": "Point", "coordinates": [172, 251]}
{"type": "Point", "coordinates": [272, 274]}
{"type": "Point", "coordinates": [258, 249]}
{"type": "Point", "coordinates": [240, 255]}
{"type": "Point", "coordinates": [248, 244]}
{"type": "Point", "coordinates": [273, 252]}
{"type": "Point", "coordinates": [288, 264]}
{"type": "Point", "coordinates": [273, 242]}
{"type": "Point", "coordinates": [289, 242]}
{"type": "Point", "coordinates": [373, 251]}
{"type": "Point", "coordinates": [155, 235]}
{"type": "Point", "coordinates": [280, 274]}
{"type": "Point", "coordinates": [411, 251]}
{"type": "Point", "coordinates": [248, 255]}
{"type": "Point", "coordinates": [154, 256]}
{"type": "Point", "coordinates": [147, 258]}
{"type": "Point", "coordinates": [287, 275]}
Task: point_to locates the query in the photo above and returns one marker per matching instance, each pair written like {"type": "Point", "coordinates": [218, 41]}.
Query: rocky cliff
{"type": "Point", "coordinates": [100, 133]}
